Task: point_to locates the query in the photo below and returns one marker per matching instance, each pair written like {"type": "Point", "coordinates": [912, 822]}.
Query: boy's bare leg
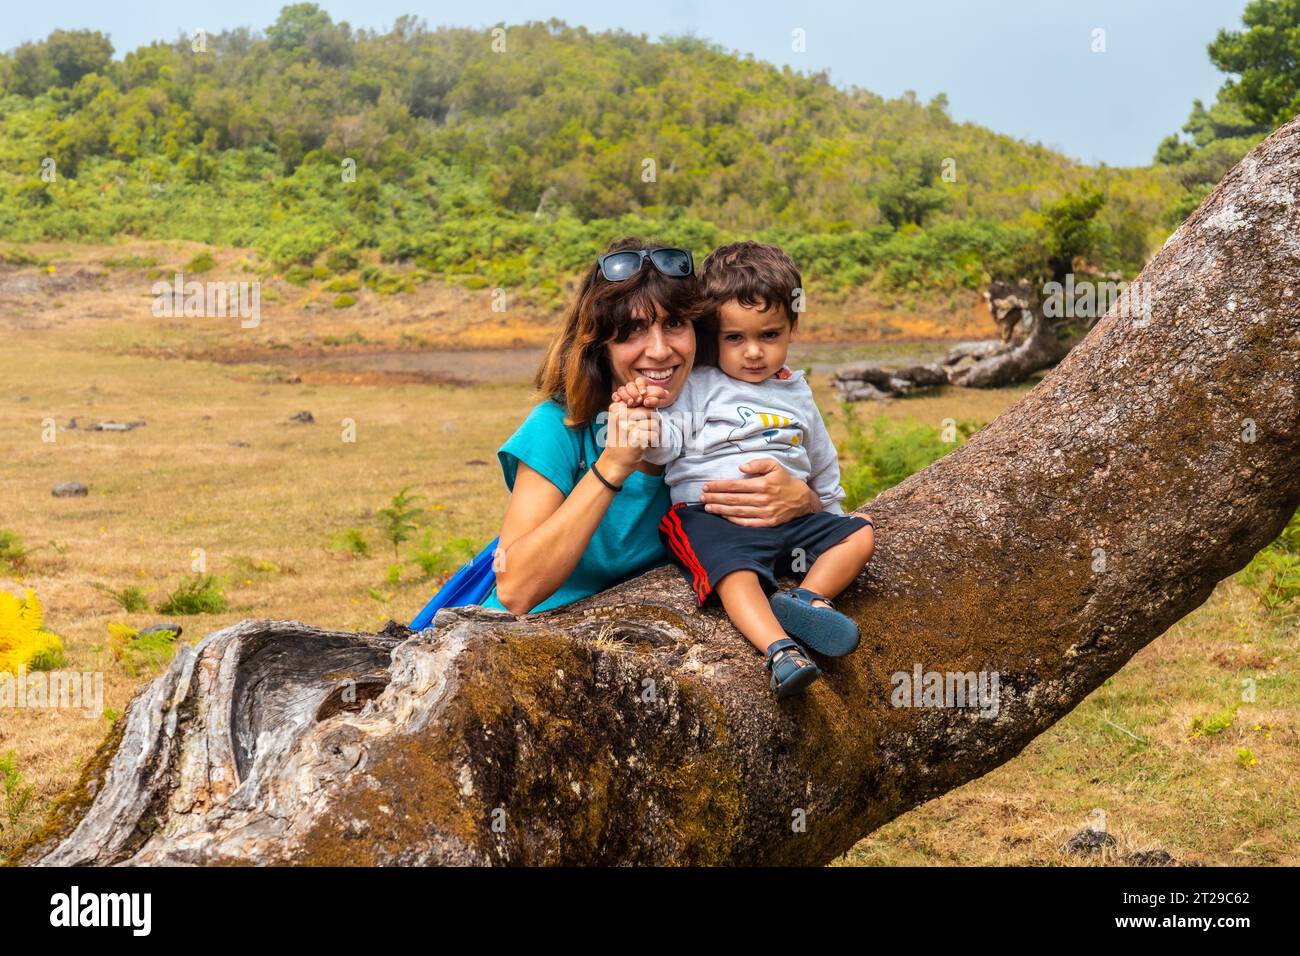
{"type": "Point", "coordinates": [838, 565]}
{"type": "Point", "coordinates": [748, 607]}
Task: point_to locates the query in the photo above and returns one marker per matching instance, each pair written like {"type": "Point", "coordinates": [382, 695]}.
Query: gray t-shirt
{"type": "Point", "coordinates": [718, 422]}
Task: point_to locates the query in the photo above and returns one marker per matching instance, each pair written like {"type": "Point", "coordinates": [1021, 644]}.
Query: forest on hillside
{"type": "Point", "coordinates": [508, 157]}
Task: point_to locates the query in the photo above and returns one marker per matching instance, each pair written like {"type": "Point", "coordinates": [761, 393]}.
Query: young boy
{"type": "Point", "coordinates": [751, 405]}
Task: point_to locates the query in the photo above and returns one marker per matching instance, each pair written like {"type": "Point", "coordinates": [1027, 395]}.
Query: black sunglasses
{"type": "Point", "coordinates": [617, 266]}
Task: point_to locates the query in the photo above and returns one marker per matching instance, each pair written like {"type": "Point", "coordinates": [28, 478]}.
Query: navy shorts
{"type": "Point", "coordinates": [707, 547]}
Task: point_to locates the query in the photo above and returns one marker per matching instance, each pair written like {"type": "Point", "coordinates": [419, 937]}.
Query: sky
{"type": "Point", "coordinates": [1026, 68]}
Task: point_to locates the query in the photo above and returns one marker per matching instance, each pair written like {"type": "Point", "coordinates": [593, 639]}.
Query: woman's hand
{"type": "Point", "coordinates": [771, 497]}
{"type": "Point", "coordinates": [632, 427]}
{"type": "Point", "coordinates": [628, 433]}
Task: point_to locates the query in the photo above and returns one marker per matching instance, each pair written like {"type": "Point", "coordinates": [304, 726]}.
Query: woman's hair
{"type": "Point", "coordinates": [576, 370]}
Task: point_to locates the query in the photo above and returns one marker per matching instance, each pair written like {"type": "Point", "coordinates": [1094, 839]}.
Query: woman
{"type": "Point", "coordinates": [584, 508]}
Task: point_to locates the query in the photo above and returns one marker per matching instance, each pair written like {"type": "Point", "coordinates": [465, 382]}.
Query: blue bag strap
{"type": "Point", "coordinates": [470, 585]}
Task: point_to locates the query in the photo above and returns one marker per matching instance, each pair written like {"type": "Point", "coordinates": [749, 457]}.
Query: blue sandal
{"type": "Point", "coordinates": [789, 676]}
{"type": "Point", "coordinates": [823, 629]}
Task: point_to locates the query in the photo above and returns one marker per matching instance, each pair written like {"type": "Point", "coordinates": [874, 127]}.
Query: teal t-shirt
{"type": "Point", "coordinates": [626, 542]}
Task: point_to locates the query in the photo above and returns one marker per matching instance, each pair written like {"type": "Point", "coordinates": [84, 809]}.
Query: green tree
{"type": "Point", "coordinates": [75, 53]}
{"type": "Point", "coordinates": [400, 519]}
{"type": "Point", "coordinates": [1072, 230]}
{"type": "Point", "coordinates": [912, 192]}
{"type": "Point", "coordinates": [1266, 59]}
{"type": "Point", "coordinates": [306, 31]}
{"type": "Point", "coordinates": [1223, 120]}
{"type": "Point", "coordinates": [29, 71]}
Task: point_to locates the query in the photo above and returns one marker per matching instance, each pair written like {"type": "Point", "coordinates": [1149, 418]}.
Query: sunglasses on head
{"type": "Point", "coordinates": [617, 266]}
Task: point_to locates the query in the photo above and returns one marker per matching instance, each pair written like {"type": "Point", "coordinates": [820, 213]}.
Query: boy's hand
{"type": "Point", "coordinates": [630, 394]}
{"type": "Point", "coordinates": [640, 392]}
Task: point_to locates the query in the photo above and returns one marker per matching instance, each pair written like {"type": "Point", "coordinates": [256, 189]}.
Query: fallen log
{"type": "Point", "coordinates": [1040, 349]}
{"type": "Point", "coordinates": [873, 380]}
{"type": "Point", "coordinates": [1151, 463]}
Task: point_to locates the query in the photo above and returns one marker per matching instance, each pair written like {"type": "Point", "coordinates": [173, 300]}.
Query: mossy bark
{"type": "Point", "coordinates": [1151, 463]}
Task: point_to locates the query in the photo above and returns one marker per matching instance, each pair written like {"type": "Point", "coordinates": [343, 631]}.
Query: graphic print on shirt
{"type": "Point", "coordinates": [769, 425]}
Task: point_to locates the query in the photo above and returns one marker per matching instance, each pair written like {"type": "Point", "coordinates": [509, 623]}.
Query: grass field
{"type": "Point", "coordinates": [220, 475]}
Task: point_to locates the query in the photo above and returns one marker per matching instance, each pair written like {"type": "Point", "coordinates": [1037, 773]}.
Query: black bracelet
{"type": "Point", "coordinates": [603, 479]}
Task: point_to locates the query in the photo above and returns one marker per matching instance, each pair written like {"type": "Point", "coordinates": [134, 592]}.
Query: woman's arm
{"type": "Point", "coordinates": [545, 533]}
{"type": "Point", "coordinates": [771, 498]}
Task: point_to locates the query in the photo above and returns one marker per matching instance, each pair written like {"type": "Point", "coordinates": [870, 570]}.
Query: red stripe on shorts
{"type": "Point", "coordinates": [676, 534]}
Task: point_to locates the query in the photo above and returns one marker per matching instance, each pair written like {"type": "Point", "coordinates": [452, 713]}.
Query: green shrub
{"type": "Point", "coordinates": [298, 275]}
{"type": "Point", "coordinates": [299, 244]}
{"type": "Point", "coordinates": [386, 283]}
{"type": "Point", "coordinates": [253, 568]}
{"type": "Point", "coordinates": [200, 594]}
{"type": "Point", "coordinates": [399, 520]}
{"type": "Point", "coordinates": [1215, 723]}
{"type": "Point", "coordinates": [348, 283]}
{"type": "Point", "coordinates": [141, 153]}
{"type": "Point", "coordinates": [137, 652]}
{"type": "Point", "coordinates": [130, 598]}
{"type": "Point", "coordinates": [341, 260]}
{"type": "Point", "coordinates": [352, 338]}
{"type": "Point", "coordinates": [201, 262]}
{"type": "Point", "coordinates": [17, 795]}
{"type": "Point", "coordinates": [447, 557]}
{"type": "Point", "coordinates": [1275, 571]}
{"type": "Point", "coordinates": [344, 301]}
{"type": "Point", "coordinates": [19, 257]}
{"type": "Point", "coordinates": [48, 659]}
{"type": "Point", "coordinates": [353, 541]}
{"type": "Point", "coordinates": [13, 556]}
{"type": "Point", "coordinates": [890, 453]}
{"type": "Point", "coordinates": [131, 262]}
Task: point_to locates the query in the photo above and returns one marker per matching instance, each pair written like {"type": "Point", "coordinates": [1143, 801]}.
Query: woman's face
{"type": "Point", "coordinates": [661, 351]}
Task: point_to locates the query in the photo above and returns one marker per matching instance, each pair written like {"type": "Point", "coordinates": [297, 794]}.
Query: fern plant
{"type": "Point", "coordinates": [135, 651]}
{"type": "Point", "coordinates": [24, 642]}
{"type": "Point", "coordinates": [398, 520]}
{"type": "Point", "coordinates": [17, 795]}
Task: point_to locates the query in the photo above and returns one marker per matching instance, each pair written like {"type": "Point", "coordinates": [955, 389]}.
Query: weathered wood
{"type": "Point", "coordinates": [873, 380]}
{"type": "Point", "coordinates": [1151, 463]}
{"type": "Point", "coordinates": [1040, 349]}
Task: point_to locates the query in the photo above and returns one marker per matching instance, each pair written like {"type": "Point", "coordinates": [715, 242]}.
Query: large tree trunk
{"type": "Point", "coordinates": [1077, 527]}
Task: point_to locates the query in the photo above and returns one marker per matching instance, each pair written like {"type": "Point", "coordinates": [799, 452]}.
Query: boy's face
{"type": "Point", "coordinates": [752, 344]}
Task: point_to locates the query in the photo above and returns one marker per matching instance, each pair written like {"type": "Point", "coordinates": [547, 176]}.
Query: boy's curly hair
{"type": "Point", "coordinates": [755, 274]}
